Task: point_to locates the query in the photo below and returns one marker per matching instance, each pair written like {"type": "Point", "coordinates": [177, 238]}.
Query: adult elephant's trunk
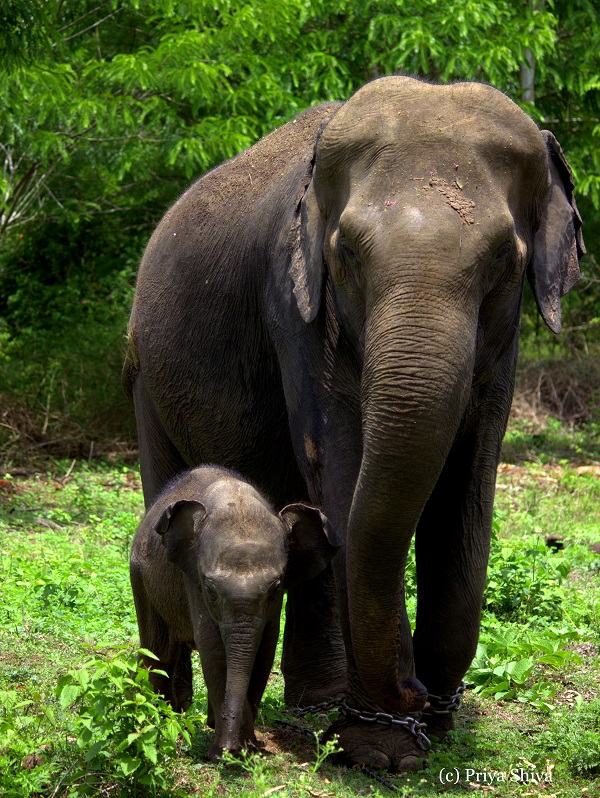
{"type": "Point", "coordinates": [416, 380]}
{"type": "Point", "coordinates": [241, 640]}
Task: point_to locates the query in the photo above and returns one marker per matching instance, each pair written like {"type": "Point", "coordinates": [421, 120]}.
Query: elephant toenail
{"type": "Point", "coordinates": [411, 763]}
{"type": "Point", "coordinates": [365, 755]}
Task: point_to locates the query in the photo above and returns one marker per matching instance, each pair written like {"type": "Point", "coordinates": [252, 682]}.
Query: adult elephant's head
{"type": "Point", "coordinates": [427, 207]}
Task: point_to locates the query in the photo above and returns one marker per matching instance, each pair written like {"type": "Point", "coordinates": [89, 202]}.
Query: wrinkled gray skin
{"type": "Point", "coordinates": [209, 564]}
{"type": "Point", "coordinates": [336, 311]}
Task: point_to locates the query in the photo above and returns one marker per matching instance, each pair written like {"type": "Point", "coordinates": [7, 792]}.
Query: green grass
{"type": "Point", "coordinates": [68, 637]}
{"type": "Point", "coordinates": [551, 442]}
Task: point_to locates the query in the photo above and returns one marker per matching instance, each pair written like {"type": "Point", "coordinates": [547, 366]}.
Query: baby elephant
{"type": "Point", "coordinates": [209, 564]}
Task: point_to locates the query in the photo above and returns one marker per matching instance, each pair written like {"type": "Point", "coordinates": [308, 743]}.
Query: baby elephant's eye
{"type": "Point", "coordinates": [274, 589]}
{"type": "Point", "coordinates": [210, 590]}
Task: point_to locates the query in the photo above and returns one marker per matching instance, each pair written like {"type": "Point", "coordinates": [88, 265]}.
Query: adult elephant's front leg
{"type": "Point", "coordinates": [452, 550]}
{"type": "Point", "coordinates": [408, 429]}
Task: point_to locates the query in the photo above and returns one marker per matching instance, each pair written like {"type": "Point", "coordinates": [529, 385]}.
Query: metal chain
{"type": "Point", "coordinates": [314, 709]}
{"type": "Point", "coordinates": [448, 703]}
{"type": "Point", "coordinates": [374, 774]}
{"type": "Point", "coordinates": [300, 712]}
{"type": "Point", "coordinates": [407, 722]}
{"type": "Point", "coordinates": [296, 727]}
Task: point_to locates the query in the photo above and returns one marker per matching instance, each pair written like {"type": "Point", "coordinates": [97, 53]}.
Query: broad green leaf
{"type": "Point", "coordinates": [129, 765]}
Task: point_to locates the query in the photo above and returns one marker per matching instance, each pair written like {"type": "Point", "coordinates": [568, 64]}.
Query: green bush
{"type": "Point", "coordinates": [123, 729]}
{"type": "Point", "coordinates": [27, 727]}
{"type": "Point", "coordinates": [525, 582]}
{"type": "Point", "coordinates": [508, 659]}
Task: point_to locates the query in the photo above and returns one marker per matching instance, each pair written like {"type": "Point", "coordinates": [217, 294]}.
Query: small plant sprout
{"type": "Point", "coordinates": [324, 750]}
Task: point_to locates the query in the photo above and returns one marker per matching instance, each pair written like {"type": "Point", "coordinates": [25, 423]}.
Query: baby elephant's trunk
{"type": "Point", "coordinates": [242, 641]}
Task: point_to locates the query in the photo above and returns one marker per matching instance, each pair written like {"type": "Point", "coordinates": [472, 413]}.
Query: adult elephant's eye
{"type": "Point", "coordinates": [274, 589]}
{"type": "Point", "coordinates": [345, 260]}
{"type": "Point", "coordinates": [347, 254]}
{"type": "Point", "coordinates": [504, 251]}
{"type": "Point", "coordinates": [210, 590]}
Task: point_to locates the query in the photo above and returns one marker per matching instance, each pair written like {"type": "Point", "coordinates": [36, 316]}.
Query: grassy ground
{"type": "Point", "coordinates": [529, 725]}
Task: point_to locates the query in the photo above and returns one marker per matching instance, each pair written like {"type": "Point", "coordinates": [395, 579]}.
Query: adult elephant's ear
{"type": "Point", "coordinates": [558, 243]}
{"type": "Point", "coordinates": [175, 525]}
{"type": "Point", "coordinates": [313, 542]}
{"type": "Point", "coordinates": [307, 268]}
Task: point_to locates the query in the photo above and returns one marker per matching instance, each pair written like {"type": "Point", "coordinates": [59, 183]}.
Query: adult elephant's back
{"type": "Point", "coordinates": [200, 362]}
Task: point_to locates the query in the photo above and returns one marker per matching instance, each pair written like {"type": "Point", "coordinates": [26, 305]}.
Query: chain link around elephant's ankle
{"type": "Point", "coordinates": [300, 712]}
{"type": "Point", "coordinates": [405, 721]}
{"type": "Point", "coordinates": [323, 707]}
{"type": "Point", "coordinates": [445, 704]}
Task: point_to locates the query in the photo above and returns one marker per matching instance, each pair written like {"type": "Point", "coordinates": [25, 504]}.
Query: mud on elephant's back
{"type": "Point", "coordinates": [252, 174]}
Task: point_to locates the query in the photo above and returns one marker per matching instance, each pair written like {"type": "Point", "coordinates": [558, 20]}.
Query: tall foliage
{"type": "Point", "coordinates": [128, 99]}
{"type": "Point", "coordinates": [110, 107]}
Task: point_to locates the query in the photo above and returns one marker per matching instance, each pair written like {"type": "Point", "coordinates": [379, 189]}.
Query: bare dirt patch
{"type": "Point", "coordinates": [562, 389]}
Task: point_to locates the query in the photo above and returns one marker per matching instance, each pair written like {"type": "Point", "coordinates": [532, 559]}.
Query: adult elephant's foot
{"type": "Point", "coordinates": [438, 726]}
{"type": "Point", "coordinates": [439, 714]}
{"type": "Point", "coordinates": [392, 748]}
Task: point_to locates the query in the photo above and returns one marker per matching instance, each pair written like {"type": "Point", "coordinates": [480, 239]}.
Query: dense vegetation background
{"type": "Point", "coordinates": [108, 109]}
{"type": "Point", "coordinates": [111, 107]}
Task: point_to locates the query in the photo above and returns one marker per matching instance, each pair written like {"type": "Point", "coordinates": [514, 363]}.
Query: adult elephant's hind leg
{"type": "Point", "coordinates": [160, 460]}
{"type": "Point", "coordinates": [183, 690]}
{"type": "Point", "coordinates": [314, 658]}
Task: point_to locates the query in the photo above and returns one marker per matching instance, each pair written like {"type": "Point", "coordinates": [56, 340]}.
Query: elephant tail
{"type": "Point", "coordinates": [131, 365]}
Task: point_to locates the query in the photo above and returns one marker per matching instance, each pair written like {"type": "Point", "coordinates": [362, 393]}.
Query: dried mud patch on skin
{"type": "Point", "coordinates": [455, 198]}
{"type": "Point", "coordinates": [236, 185]}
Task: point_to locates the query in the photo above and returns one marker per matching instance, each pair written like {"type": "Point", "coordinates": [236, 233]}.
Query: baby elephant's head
{"type": "Point", "coordinates": [240, 553]}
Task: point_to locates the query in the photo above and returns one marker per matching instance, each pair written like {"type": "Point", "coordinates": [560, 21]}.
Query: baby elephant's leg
{"type": "Point", "coordinates": [263, 664]}
{"type": "Point", "coordinates": [214, 666]}
{"type": "Point", "coordinates": [155, 636]}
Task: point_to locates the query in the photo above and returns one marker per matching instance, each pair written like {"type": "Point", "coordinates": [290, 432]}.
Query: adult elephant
{"type": "Point", "coordinates": [336, 310]}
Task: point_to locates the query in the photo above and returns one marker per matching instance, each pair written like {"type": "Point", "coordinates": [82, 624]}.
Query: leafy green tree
{"type": "Point", "coordinates": [134, 98]}
{"type": "Point", "coordinates": [22, 32]}
{"type": "Point", "coordinates": [110, 107]}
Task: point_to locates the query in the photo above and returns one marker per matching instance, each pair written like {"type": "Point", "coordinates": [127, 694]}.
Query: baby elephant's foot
{"type": "Point", "coordinates": [381, 747]}
{"type": "Point", "coordinates": [215, 752]}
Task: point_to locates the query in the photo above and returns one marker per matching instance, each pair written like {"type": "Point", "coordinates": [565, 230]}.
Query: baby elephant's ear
{"type": "Point", "coordinates": [176, 528]}
{"type": "Point", "coordinates": [313, 542]}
